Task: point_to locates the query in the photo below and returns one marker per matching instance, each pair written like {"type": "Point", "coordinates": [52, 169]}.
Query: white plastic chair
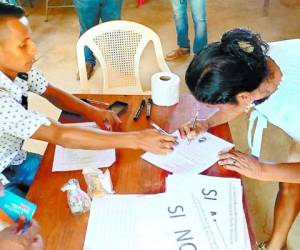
{"type": "Point", "coordinates": [118, 46]}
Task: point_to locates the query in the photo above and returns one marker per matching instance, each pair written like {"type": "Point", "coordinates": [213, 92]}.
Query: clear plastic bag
{"type": "Point", "coordinates": [99, 184]}
{"type": "Point", "coordinates": [78, 201]}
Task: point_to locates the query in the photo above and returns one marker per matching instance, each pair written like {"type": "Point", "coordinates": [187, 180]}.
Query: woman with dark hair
{"type": "Point", "coordinates": [242, 72]}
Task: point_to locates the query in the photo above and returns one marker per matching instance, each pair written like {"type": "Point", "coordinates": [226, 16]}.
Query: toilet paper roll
{"type": "Point", "coordinates": [165, 88]}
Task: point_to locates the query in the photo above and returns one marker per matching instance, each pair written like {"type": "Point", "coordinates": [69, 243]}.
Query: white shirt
{"type": "Point", "coordinates": [282, 107]}
{"type": "Point", "coordinates": [17, 123]}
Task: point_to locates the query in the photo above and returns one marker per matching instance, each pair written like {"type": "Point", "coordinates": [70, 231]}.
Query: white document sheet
{"type": "Point", "coordinates": [76, 159]}
{"type": "Point", "coordinates": [190, 158]}
{"type": "Point", "coordinates": [168, 221]}
{"type": "Point", "coordinates": [222, 200]}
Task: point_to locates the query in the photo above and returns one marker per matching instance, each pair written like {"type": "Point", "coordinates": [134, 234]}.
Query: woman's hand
{"type": "Point", "coordinates": [192, 129]}
{"type": "Point", "coordinates": [242, 163]}
{"type": "Point", "coordinates": [155, 142]}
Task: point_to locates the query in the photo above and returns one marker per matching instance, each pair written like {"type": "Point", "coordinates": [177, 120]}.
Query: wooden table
{"type": "Point", "coordinates": [130, 174]}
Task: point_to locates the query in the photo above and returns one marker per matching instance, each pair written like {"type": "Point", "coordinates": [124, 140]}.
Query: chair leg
{"type": "Point", "coordinates": [266, 7]}
{"type": "Point", "coordinates": [46, 14]}
{"type": "Point", "coordinates": [30, 3]}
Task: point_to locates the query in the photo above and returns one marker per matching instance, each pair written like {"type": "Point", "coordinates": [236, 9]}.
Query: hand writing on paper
{"type": "Point", "coordinates": [152, 141]}
{"type": "Point", "coordinates": [192, 129]}
{"type": "Point", "coordinates": [29, 240]}
{"type": "Point", "coordinates": [242, 163]}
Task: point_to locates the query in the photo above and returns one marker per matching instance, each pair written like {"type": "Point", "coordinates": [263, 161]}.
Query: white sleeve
{"type": "Point", "coordinates": [17, 121]}
{"type": "Point", "coordinates": [37, 83]}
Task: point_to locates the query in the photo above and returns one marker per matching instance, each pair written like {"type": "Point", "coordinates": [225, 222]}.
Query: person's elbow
{"type": "Point", "coordinates": [54, 134]}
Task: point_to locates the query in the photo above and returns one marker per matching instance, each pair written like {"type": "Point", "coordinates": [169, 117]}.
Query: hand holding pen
{"type": "Point", "coordinates": [162, 131]}
{"type": "Point", "coordinates": [169, 140]}
{"type": "Point", "coordinates": [158, 128]}
{"type": "Point", "coordinates": [152, 141]}
{"type": "Point", "coordinates": [193, 128]}
{"type": "Point", "coordinates": [190, 136]}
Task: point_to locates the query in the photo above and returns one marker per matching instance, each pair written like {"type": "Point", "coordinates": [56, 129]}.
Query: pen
{"type": "Point", "coordinates": [138, 113]}
{"type": "Point", "coordinates": [193, 126]}
{"type": "Point", "coordinates": [158, 128]}
{"type": "Point", "coordinates": [148, 108]}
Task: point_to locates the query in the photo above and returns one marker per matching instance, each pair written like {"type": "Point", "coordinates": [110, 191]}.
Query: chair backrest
{"type": "Point", "coordinates": [118, 46]}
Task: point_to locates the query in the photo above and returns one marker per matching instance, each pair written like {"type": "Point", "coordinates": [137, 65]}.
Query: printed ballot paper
{"type": "Point", "coordinates": [221, 199]}
{"type": "Point", "coordinates": [196, 212]}
{"type": "Point", "coordinates": [76, 159]}
{"type": "Point", "coordinates": [162, 221]}
{"type": "Point", "coordinates": [190, 157]}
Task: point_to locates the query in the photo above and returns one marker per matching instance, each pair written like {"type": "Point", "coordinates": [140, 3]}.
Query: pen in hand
{"type": "Point", "coordinates": [158, 128]}
{"type": "Point", "coordinates": [193, 126]}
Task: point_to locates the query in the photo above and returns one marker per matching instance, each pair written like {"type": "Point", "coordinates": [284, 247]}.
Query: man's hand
{"type": "Point", "coordinates": [106, 119]}
{"type": "Point", "coordinates": [29, 240]}
{"type": "Point", "coordinates": [155, 142]}
{"type": "Point", "coordinates": [189, 132]}
{"type": "Point", "coordinates": [242, 163]}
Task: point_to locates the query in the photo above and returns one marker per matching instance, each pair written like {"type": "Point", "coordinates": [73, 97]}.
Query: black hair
{"type": "Point", "coordinates": [224, 69]}
{"type": "Point", "coordinates": [9, 10]}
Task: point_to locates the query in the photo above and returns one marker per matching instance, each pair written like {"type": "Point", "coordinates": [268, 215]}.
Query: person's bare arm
{"type": "Point", "coordinates": [68, 102]}
{"type": "Point", "coordinates": [282, 172]}
{"type": "Point", "coordinates": [222, 117]}
{"type": "Point", "coordinates": [190, 130]}
{"type": "Point", "coordinates": [253, 168]}
{"type": "Point", "coordinates": [83, 138]}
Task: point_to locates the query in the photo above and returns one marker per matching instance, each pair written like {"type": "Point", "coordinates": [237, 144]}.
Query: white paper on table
{"type": "Point", "coordinates": [193, 157]}
{"type": "Point", "coordinates": [66, 159]}
{"type": "Point", "coordinates": [222, 200]}
{"type": "Point", "coordinates": [160, 222]}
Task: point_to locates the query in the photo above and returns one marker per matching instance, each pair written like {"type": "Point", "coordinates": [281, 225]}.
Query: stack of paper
{"type": "Point", "coordinates": [190, 157]}
{"type": "Point", "coordinates": [196, 212]}
{"type": "Point", "coordinates": [162, 222]}
{"type": "Point", "coordinates": [76, 159]}
{"type": "Point", "coordinates": [222, 200]}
